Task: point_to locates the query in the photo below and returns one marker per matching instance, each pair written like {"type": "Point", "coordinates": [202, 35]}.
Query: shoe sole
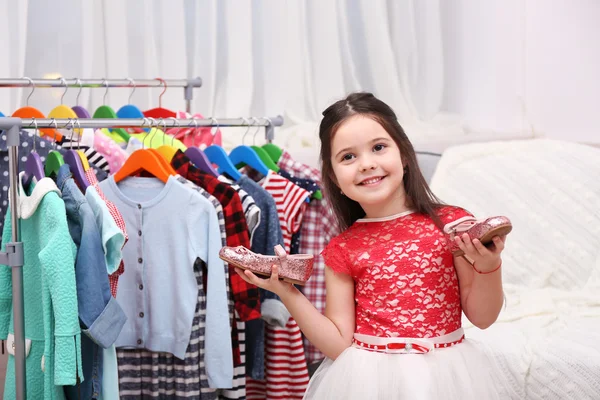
{"type": "Point", "coordinates": [500, 230]}
{"type": "Point", "coordinates": [281, 278]}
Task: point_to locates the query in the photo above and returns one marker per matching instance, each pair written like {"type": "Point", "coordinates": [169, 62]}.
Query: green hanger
{"type": "Point", "coordinates": [265, 158]}
{"type": "Point", "coordinates": [108, 112]}
{"type": "Point", "coordinates": [273, 151]}
{"type": "Point", "coordinates": [54, 160]}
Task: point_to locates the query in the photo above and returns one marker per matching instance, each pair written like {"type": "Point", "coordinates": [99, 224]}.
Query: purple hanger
{"type": "Point", "coordinates": [199, 159]}
{"type": "Point", "coordinates": [72, 158]}
{"type": "Point", "coordinates": [33, 168]}
{"type": "Point", "coordinates": [81, 112]}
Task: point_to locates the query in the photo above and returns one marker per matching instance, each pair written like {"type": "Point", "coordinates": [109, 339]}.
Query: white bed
{"type": "Point", "coordinates": [547, 339]}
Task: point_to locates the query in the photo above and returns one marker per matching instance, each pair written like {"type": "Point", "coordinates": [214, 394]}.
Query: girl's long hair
{"type": "Point", "coordinates": [346, 210]}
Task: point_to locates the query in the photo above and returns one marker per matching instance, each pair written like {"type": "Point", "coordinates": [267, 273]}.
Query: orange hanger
{"type": "Point", "coordinates": [145, 160]}
{"type": "Point", "coordinates": [32, 112]}
{"type": "Point", "coordinates": [160, 112]}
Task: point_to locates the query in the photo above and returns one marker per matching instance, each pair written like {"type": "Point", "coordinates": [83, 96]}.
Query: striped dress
{"type": "Point", "coordinates": [286, 372]}
{"type": "Point", "coordinates": [145, 374]}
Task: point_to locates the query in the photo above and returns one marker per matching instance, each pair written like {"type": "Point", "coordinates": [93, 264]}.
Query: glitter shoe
{"type": "Point", "coordinates": [294, 268]}
{"type": "Point", "coordinates": [482, 229]}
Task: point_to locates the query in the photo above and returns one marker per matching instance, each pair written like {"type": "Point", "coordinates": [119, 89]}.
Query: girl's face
{"type": "Point", "coordinates": [368, 166]}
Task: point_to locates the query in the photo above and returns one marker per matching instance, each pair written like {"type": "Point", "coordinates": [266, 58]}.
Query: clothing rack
{"type": "Point", "coordinates": [187, 84]}
{"type": "Point", "coordinates": [13, 257]}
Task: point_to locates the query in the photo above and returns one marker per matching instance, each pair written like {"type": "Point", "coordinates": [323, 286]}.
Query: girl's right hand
{"type": "Point", "coordinates": [272, 284]}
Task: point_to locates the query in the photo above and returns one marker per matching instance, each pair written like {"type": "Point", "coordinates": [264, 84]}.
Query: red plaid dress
{"type": "Point", "coordinates": [114, 212]}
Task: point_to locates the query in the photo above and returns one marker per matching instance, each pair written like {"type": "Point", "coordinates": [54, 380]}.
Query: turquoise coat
{"type": "Point", "coordinates": [51, 319]}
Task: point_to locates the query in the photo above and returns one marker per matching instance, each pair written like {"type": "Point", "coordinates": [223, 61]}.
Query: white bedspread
{"type": "Point", "coordinates": [548, 336]}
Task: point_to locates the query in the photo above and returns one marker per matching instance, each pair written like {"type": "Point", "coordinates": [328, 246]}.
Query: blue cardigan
{"type": "Point", "coordinates": [169, 226]}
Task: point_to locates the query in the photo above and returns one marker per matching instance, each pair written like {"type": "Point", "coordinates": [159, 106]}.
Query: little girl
{"type": "Point", "coordinates": [395, 293]}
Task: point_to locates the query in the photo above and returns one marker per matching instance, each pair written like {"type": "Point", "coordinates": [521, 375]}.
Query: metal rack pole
{"type": "Point", "coordinates": [268, 123]}
{"type": "Point", "coordinates": [187, 84]}
{"type": "Point", "coordinates": [13, 257]}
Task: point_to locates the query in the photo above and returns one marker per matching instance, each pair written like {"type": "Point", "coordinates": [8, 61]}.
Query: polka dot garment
{"type": "Point", "coordinates": [42, 146]}
{"type": "Point", "coordinates": [115, 155]}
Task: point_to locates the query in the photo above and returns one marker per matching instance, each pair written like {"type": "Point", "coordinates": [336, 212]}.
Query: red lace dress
{"type": "Point", "coordinates": [405, 286]}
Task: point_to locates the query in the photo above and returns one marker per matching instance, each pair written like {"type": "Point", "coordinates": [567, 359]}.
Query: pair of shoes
{"type": "Point", "coordinates": [295, 268]}
{"type": "Point", "coordinates": [482, 229]}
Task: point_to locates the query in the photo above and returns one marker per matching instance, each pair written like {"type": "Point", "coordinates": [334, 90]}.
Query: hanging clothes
{"type": "Point", "coordinates": [113, 241]}
{"type": "Point", "coordinates": [318, 228]}
{"type": "Point", "coordinates": [85, 143]}
{"type": "Point", "coordinates": [99, 313]}
{"type": "Point", "coordinates": [42, 147]}
{"type": "Point", "coordinates": [267, 235]}
{"type": "Point", "coordinates": [114, 154]}
{"type": "Point", "coordinates": [160, 235]}
{"type": "Point", "coordinates": [251, 210]}
{"type": "Point", "coordinates": [53, 342]}
{"type": "Point", "coordinates": [143, 373]}
{"type": "Point", "coordinates": [246, 296]}
{"type": "Point", "coordinates": [284, 354]}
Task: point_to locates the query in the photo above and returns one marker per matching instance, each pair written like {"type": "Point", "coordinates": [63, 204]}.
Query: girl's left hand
{"type": "Point", "coordinates": [484, 258]}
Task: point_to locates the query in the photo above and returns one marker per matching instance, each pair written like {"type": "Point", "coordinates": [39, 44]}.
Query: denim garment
{"type": "Point", "coordinates": [100, 315]}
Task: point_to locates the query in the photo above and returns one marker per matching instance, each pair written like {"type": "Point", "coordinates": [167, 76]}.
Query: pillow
{"type": "Point", "coordinates": [549, 189]}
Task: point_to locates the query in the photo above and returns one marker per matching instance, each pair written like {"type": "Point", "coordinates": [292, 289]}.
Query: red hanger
{"type": "Point", "coordinates": [160, 112]}
{"type": "Point", "coordinates": [145, 160]}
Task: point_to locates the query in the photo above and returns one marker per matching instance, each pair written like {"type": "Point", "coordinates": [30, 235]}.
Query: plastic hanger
{"type": "Point", "coordinates": [64, 111]}
{"type": "Point", "coordinates": [1, 114]}
{"type": "Point", "coordinates": [32, 112]}
{"type": "Point", "coordinates": [34, 168]}
{"type": "Point", "coordinates": [131, 111]}
{"type": "Point", "coordinates": [54, 160]}
{"type": "Point", "coordinates": [273, 151]}
{"type": "Point", "coordinates": [199, 159]}
{"type": "Point", "coordinates": [84, 161]}
{"type": "Point", "coordinates": [105, 111]}
{"type": "Point", "coordinates": [217, 155]}
{"type": "Point", "coordinates": [144, 160]}
{"type": "Point", "coordinates": [80, 111]}
{"type": "Point", "coordinates": [262, 154]}
{"type": "Point", "coordinates": [149, 160]}
{"type": "Point", "coordinates": [245, 155]}
{"type": "Point", "coordinates": [168, 152]}
{"type": "Point", "coordinates": [74, 161]}
{"type": "Point", "coordinates": [160, 112]}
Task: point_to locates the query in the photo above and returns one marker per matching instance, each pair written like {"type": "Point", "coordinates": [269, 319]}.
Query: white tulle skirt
{"type": "Point", "coordinates": [463, 371]}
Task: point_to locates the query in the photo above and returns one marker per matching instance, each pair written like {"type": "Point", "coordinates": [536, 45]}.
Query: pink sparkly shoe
{"type": "Point", "coordinates": [295, 268]}
{"type": "Point", "coordinates": [482, 229]}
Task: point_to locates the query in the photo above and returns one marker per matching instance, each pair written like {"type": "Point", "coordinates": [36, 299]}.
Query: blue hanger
{"type": "Point", "coordinates": [1, 115]}
{"type": "Point", "coordinates": [217, 155]}
{"type": "Point", "coordinates": [129, 110]}
{"type": "Point", "coordinates": [245, 155]}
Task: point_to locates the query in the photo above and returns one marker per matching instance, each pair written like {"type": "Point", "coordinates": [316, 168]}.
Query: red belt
{"type": "Point", "coordinates": [407, 346]}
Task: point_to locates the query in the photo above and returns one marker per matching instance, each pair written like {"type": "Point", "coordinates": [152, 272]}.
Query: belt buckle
{"type": "Point", "coordinates": [399, 348]}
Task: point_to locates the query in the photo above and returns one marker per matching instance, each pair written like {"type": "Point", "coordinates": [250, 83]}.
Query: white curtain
{"type": "Point", "coordinates": [259, 58]}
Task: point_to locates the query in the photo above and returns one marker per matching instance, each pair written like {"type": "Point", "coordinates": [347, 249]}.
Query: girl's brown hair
{"type": "Point", "coordinates": [346, 210]}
